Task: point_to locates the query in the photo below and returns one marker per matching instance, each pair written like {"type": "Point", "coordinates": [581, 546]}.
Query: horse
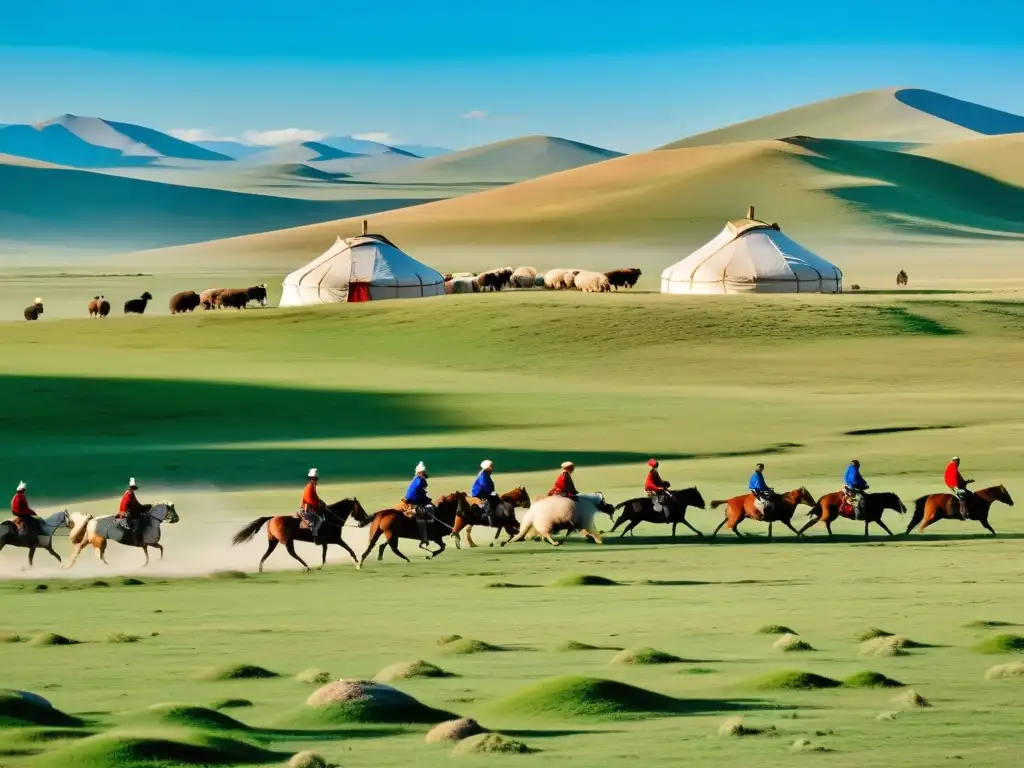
{"type": "Point", "coordinates": [938, 506]}
{"type": "Point", "coordinates": [505, 517]}
{"type": "Point", "coordinates": [641, 510]}
{"type": "Point", "coordinates": [42, 540]}
{"type": "Point", "coordinates": [98, 531]}
{"type": "Point", "coordinates": [833, 505]}
{"type": "Point", "coordinates": [394, 524]}
{"type": "Point", "coordinates": [287, 529]}
{"type": "Point", "coordinates": [741, 507]}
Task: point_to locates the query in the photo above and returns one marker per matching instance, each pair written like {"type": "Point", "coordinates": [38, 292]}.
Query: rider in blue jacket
{"type": "Point", "coordinates": [759, 487]}
{"type": "Point", "coordinates": [854, 484]}
{"type": "Point", "coordinates": [416, 496]}
{"type": "Point", "coordinates": [483, 489]}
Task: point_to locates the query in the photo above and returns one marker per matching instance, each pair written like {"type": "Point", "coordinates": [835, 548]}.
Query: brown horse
{"type": "Point", "coordinates": [394, 524]}
{"type": "Point", "coordinates": [641, 510]}
{"type": "Point", "coordinates": [504, 517]}
{"type": "Point", "coordinates": [939, 506]}
{"type": "Point", "coordinates": [832, 506]}
{"type": "Point", "coordinates": [740, 508]}
{"type": "Point", "coordinates": [287, 529]}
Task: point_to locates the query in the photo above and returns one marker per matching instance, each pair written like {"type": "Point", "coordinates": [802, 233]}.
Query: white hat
{"type": "Point", "coordinates": [956, 458]}
{"type": "Point", "coordinates": [21, 486]}
{"type": "Point", "coordinates": [131, 482]}
{"type": "Point", "coordinates": [38, 300]}
{"type": "Point", "coordinates": [486, 464]}
{"type": "Point", "coordinates": [421, 467]}
{"type": "Point", "coordinates": [567, 464]}
{"type": "Point", "coordinates": [313, 473]}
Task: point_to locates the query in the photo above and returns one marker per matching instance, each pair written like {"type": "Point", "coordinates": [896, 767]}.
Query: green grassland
{"type": "Point", "coordinates": [226, 411]}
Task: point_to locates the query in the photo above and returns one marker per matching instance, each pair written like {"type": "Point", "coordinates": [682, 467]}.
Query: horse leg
{"type": "Point", "coordinates": [441, 545]}
{"type": "Point", "coordinates": [348, 549]}
{"type": "Point", "coordinates": [595, 535]}
{"type": "Point", "coordinates": [75, 553]}
{"type": "Point", "coordinates": [50, 550]}
{"type": "Point", "coordinates": [828, 527]}
{"type": "Point", "coordinates": [620, 521]}
{"type": "Point", "coordinates": [686, 522]}
{"type": "Point", "coordinates": [883, 526]}
{"type": "Point", "coordinates": [31, 555]}
{"type": "Point", "coordinates": [789, 525]}
{"type": "Point", "coordinates": [928, 521]}
{"type": "Point", "coordinates": [770, 523]}
{"type": "Point", "coordinates": [917, 518]}
{"type": "Point", "coordinates": [632, 524]}
{"type": "Point", "coordinates": [289, 545]}
{"type": "Point", "coordinates": [984, 522]}
{"type": "Point", "coordinates": [469, 536]}
{"type": "Point", "coordinates": [323, 557]}
{"type": "Point", "coordinates": [809, 523]}
{"type": "Point", "coordinates": [724, 521]}
{"type": "Point", "coordinates": [392, 541]}
{"type": "Point", "coordinates": [145, 551]}
{"type": "Point", "coordinates": [159, 548]}
{"type": "Point", "coordinates": [100, 545]}
{"type": "Point", "coordinates": [497, 533]}
{"type": "Point", "coordinates": [271, 546]}
{"type": "Point", "coordinates": [384, 546]}
{"type": "Point", "coordinates": [866, 524]}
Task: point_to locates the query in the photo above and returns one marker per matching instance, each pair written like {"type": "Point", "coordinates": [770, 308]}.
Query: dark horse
{"type": "Point", "coordinates": [395, 524]}
{"type": "Point", "coordinates": [938, 506]}
{"type": "Point", "coordinates": [287, 529]}
{"type": "Point", "coordinates": [833, 505]}
{"type": "Point", "coordinates": [504, 517]}
{"type": "Point", "coordinates": [641, 510]}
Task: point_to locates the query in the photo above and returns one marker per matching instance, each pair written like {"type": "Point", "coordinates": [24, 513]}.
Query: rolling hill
{"type": "Point", "coordinates": [296, 152]}
{"type": "Point", "coordinates": [1000, 157]}
{"type": "Point", "coordinates": [91, 142]}
{"type": "Point", "coordinates": [830, 187]}
{"type": "Point", "coordinates": [899, 115]}
{"type": "Point", "coordinates": [500, 163]}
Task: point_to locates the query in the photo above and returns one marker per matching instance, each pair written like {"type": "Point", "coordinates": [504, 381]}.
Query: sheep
{"type": "Point", "coordinates": [592, 282]}
{"type": "Point", "coordinates": [34, 310]}
{"type": "Point", "coordinates": [137, 306]}
{"type": "Point", "coordinates": [186, 301]}
{"type": "Point", "coordinates": [495, 279]}
{"type": "Point", "coordinates": [554, 280]}
{"type": "Point", "coordinates": [94, 306]}
{"type": "Point", "coordinates": [623, 278]}
{"type": "Point", "coordinates": [104, 307]}
{"type": "Point", "coordinates": [569, 278]}
{"type": "Point", "coordinates": [464, 285]}
{"type": "Point", "coordinates": [551, 514]}
{"type": "Point", "coordinates": [236, 298]}
{"type": "Point", "coordinates": [208, 298]}
{"type": "Point", "coordinates": [258, 293]}
{"type": "Point", "coordinates": [524, 277]}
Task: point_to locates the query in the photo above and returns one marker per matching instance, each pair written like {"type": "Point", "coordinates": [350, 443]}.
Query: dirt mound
{"type": "Point", "coordinates": [989, 624]}
{"type": "Point", "coordinates": [21, 708]}
{"type": "Point", "coordinates": [363, 701]}
{"type": "Point", "coordinates": [133, 750]}
{"type": "Point", "coordinates": [575, 645]}
{"type": "Point", "coordinates": [776, 629]}
{"type": "Point", "coordinates": [584, 580]}
{"type": "Point", "coordinates": [121, 637]}
{"type": "Point", "coordinates": [1005, 671]}
{"type": "Point", "coordinates": [1000, 644]}
{"type": "Point", "coordinates": [872, 634]}
{"type": "Point", "coordinates": [871, 680]}
{"type": "Point", "coordinates": [11, 637]}
{"type": "Point", "coordinates": [640, 656]}
{"type": "Point", "coordinates": [791, 643]}
{"type": "Point", "coordinates": [491, 744]}
{"type": "Point", "coordinates": [586, 697]}
{"type": "Point", "coordinates": [313, 676]}
{"type": "Point", "coordinates": [307, 759]}
{"type": "Point", "coordinates": [791, 680]}
{"type": "Point", "coordinates": [49, 638]}
{"type": "Point", "coordinates": [410, 670]}
{"type": "Point", "coordinates": [237, 672]}
{"type": "Point", "coordinates": [455, 730]}
{"type": "Point", "coordinates": [186, 716]}
{"type": "Point", "coordinates": [910, 699]}
{"type": "Point", "coordinates": [231, 704]}
{"type": "Point", "coordinates": [734, 727]}
{"type": "Point", "coordinates": [464, 646]}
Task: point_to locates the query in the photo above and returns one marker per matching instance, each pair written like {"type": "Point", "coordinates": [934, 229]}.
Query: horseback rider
{"type": "Point", "coordinates": [854, 486]}
{"type": "Point", "coordinates": [760, 489]}
{"type": "Point", "coordinates": [564, 485]}
{"type": "Point", "coordinates": [657, 490]}
{"type": "Point", "coordinates": [483, 489]}
{"type": "Point", "coordinates": [131, 511]}
{"type": "Point", "coordinates": [25, 519]}
{"type": "Point", "coordinates": [313, 508]}
{"type": "Point", "coordinates": [416, 497]}
{"type": "Point", "coordinates": [958, 485]}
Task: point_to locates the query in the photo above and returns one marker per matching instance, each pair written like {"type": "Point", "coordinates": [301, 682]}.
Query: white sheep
{"type": "Point", "coordinates": [592, 282]}
{"type": "Point", "coordinates": [524, 277]}
{"type": "Point", "coordinates": [551, 514]}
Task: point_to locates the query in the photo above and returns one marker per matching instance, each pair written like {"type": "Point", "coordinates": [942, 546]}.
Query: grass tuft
{"type": "Point", "coordinates": [734, 727]}
{"type": "Point", "coordinates": [19, 709]}
{"type": "Point", "coordinates": [1014, 669]}
{"type": "Point", "coordinates": [454, 730]}
{"type": "Point", "coordinates": [491, 744]}
{"type": "Point", "coordinates": [129, 581]}
{"type": "Point", "coordinates": [227, 575]}
{"type": "Point", "coordinates": [911, 699]}
{"type": "Point", "coordinates": [161, 748]}
{"type": "Point", "coordinates": [121, 637]}
{"type": "Point", "coordinates": [50, 638]}
{"type": "Point", "coordinates": [230, 704]}
{"type": "Point", "coordinates": [186, 716]}
{"type": "Point", "coordinates": [775, 629]}
{"type": "Point", "coordinates": [792, 680]}
{"type": "Point", "coordinates": [11, 637]}
{"type": "Point", "coordinates": [584, 580]}
{"type": "Point", "coordinates": [872, 634]}
{"type": "Point", "coordinates": [313, 676]}
{"type": "Point", "coordinates": [871, 680]}
{"type": "Point", "coordinates": [584, 697]}
{"type": "Point", "coordinates": [1000, 644]}
{"type": "Point", "coordinates": [791, 644]}
{"type": "Point", "coordinates": [465, 646]}
{"type": "Point", "coordinates": [989, 624]}
{"type": "Point", "coordinates": [237, 672]}
{"type": "Point", "coordinates": [640, 656]}
{"type": "Point", "coordinates": [448, 639]}
{"type": "Point", "coordinates": [410, 670]}
{"type": "Point", "coordinates": [362, 701]}
{"type": "Point", "coordinates": [307, 759]}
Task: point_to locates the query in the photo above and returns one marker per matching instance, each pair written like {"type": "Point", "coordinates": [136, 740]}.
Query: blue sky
{"type": "Point", "coordinates": [628, 75]}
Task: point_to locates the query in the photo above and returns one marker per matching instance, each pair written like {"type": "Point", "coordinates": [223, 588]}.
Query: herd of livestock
{"type": "Point", "coordinates": [552, 280]}
{"type": "Point", "coordinates": [185, 301]}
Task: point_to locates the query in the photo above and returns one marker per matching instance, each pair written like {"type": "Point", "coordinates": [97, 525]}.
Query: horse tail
{"type": "Point", "coordinates": [718, 502]}
{"type": "Point", "coordinates": [815, 511]}
{"type": "Point", "coordinates": [249, 531]}
{"type": "Point", "coordinates": [622, 504]}
{"type": "Point", "coordinates": [77, 535]}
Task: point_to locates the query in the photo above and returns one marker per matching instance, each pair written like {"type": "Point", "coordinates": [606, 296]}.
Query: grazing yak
{"type": "Point", "coordinates": [551, 514]}
{"type": "Point", "coordinates": [591, 282]}
{"type": "Point", "coordinates": [258, 293]}
{"type": "Point", "coordinates": [623, 278]}
{"type": "Point", "coordinates": [495, 279]}
{"type": "Point", "coordinates": [186, 301]}
{"type": "Point", "coordinates": [34, 310]}
{"type": "Point", "coordinates": [235, 298]}
{"type": "Point", "coordinates": [104, 307]}
{"type": "Point", "coordinates": [524, 277]}
{"type": "Point", "coordinates": [138, 306]}
{"type": "Point", "coordinates": [208, 298]}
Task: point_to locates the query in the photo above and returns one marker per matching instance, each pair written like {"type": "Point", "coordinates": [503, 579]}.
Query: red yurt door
{"type": "Point", "coordinates": [358, 291]}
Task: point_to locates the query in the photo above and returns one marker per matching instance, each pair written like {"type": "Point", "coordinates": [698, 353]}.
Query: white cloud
{"type": "Point", "coordinates": [198, 134]}
{"type": "Point", "coordinates": [278, 136]}
{"type": "Point", "coordinates": [381, 137]}
{"type": "Point", "coordinates": [476, 114]}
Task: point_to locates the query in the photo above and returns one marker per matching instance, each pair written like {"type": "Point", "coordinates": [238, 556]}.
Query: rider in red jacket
{"type": "Point", "coordinates": [564, 485]}
{"type": "Point", "coordinates": [958, 485]}
{"type": "Point", "coordinates": [657, 490]}
{"type": "Point", "coordinates": [131, 511]}
{"type": "Point", "coordinates": [24, 516]}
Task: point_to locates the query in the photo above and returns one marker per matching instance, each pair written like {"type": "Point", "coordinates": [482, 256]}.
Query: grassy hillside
{"type": "Point", "coordinates": [889, 115]}
{"type": "Point", "coordinates": [812, 187]}
{"type": "Point", "coordinates": [501, 162]}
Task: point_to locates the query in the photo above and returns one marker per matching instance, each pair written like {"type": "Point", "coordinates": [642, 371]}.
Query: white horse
{"type": "Point", "coordinates": [42, 540]}
{"type": "Point", "coordinates": [551, 514]}
{"type": "Point", "coordinates": [100, 530]}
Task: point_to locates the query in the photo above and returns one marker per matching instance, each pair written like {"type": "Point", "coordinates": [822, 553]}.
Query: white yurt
{"type": "Point", "coordinates": [365, 268]}
{"type": "Point", "coordinates": [751, 256]}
